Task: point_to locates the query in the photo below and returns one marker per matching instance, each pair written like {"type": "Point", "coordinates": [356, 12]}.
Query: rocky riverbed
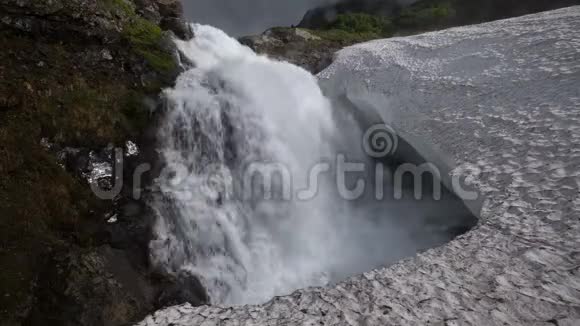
{"type": "Point", "coordinates": [499, 104]}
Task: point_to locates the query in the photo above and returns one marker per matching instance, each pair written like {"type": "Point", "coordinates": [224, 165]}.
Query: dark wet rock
{"type": "Point", "coordinates": [114, 283]}
{"type": "Point", "coordinates": [78, 80]}
{"type": "Point", "coordinates": [86, 18]}
{"type": "Point", "coordinates": [103, 20]}
{"type": "Point", "coordinates": [91, 287]}
{"type": "Point", "coordinates": [170, 8]}
{"type": "Point", "coordinates": [181, 289]}
{"type": "Point", "coordinates": [295, 45]}
{"type": "Point", "coordinates": [89, 165]}
{"type": "Point", "coordinates": [177, 25]}
{"type": "Point", "coordinates": [167, 14]}
{"type": "Point", "coordinates": [149, 9]}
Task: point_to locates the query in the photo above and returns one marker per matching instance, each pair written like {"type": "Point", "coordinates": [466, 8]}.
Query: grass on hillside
{"type": "Point", "coordinates": [356, 27]}
{"type": "Point", "coordinates": [359, 27]}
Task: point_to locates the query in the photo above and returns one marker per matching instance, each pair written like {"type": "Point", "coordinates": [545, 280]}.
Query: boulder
{"type": "Point", "coordinates": [170, 8]}
{"type": "Point", "coordinates": [90, 287]}
{"type": "Point", "coordinates": [64, 18]}
{"type": "Point", "coordinates": [104, 20]}
{"type": "Point", "coordinates": [295, 45]}
{"type": "Point", "coordinates": [180, 27]}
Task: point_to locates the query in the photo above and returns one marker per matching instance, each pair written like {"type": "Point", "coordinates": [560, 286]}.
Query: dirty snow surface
{"type": "Point", "coordinates": [501, 102]}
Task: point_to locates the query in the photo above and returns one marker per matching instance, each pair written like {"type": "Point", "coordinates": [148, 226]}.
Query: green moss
{"type": "Point", "coordinates": [123, 6]}
{"type": "Point", "coordinates": [73, 104]}
{"type": "Point", "coordinates": [360, 27]}
{"type": "Point", "coordinates": [359, 23]}
{"type": "Point", "coordinates": [159, 60]}
{"type": "Point", "coordinates": [80, 114]}
{"type": "Point", "coordinates": [426, 15]}
{"type": "Point", "coordinates": [141, 32]}
{"type": "Point", "coordinates": [134, 111]}
{"type": "Point", "coordinates": [144, 37]}
{"type": "Point", "coordinates": [356, 27]}
{"type": "Point", "coordinates": [40, 204]}
{"type": "Point", "coordinates": [146, 40]}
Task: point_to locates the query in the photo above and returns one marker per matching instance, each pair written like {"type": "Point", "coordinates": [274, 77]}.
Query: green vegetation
{"type": "Point", "coordinates": [425, 15]}
{"type": "Point", "coordinates": [40, 203]}
{"type": "Point", "coordinates": [89, 114]}
{"type": "Point", "coordinates": [362, 24]}
{"type": "Point", "coordinates": [159, 60]}
{"type": "Point", "coordinates": [356, 27]}
{"type": "Point", "coordinates": [114, 5]}
{"type": "Point", "coordinates": [142, 33]}
{"type": "Point", "coordinates": [73, 101]}
{"type": "Point", "coordinates": [48, 90]}
{"type": "Point", "coordinates": [145, 38]}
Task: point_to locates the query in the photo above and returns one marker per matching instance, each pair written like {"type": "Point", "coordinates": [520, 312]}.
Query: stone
{"type": "Point", "coordinates": [170, 8]}
{"type": "Point", "coordinates": [106, 54]}
{"type": "Point", "coordinates": [177, 25]}
{"type": "Point", "coordinates": [295, 45]}
{"type": "Point", "coordinates": [90, 287]}
{"type": "Point", "coordinates": [149, 10]}
{"type": "Point", "coordinates": [181, 289]}
{"type": "Point", "coordinates": [74, 18]}
{"type": "Point", "coordinates": [306, 35]}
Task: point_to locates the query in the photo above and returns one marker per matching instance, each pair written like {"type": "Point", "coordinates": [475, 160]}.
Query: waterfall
{"type": "Point", "coordinates": [236, 112]}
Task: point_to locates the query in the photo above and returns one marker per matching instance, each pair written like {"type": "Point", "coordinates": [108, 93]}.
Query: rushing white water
{"type": "Point", "coordinates": [235, 109]}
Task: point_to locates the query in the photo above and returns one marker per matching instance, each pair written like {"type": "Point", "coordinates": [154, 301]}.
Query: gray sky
{"type": "Point", "coordinates": [245, 17]}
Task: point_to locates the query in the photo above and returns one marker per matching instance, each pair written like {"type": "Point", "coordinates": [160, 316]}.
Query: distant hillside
{"type": "Point", "coordinates": [322, 16]}
{"type": "Point", "coordinates": [409, 16]}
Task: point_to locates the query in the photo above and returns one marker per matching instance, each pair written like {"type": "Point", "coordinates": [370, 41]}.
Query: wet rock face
{"type": "Point", "coordinates": [101, 19]}
{"type": "Point", "coordinates": [94, 287]}
{"type": "Point", "coordinates": [499, 103]}
{"type": "Point", "coordinates": [78, 78]}
{"type": "Point", "coordinates": [298, 46]}
{"type": "Point", "coordinates": [88, 18]}
{"type": "Point", "coordinates": [170, 8]}
{"type": "Point", "coordinates": [168, 14]}
{"type": "Point", "coordinates": [181, 289]}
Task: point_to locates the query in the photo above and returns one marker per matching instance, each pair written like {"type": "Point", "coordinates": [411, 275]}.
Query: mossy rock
{"type": "Point", "coordinates": [149, 42]}
{"type": "Point", "coordinates": [66, 92]}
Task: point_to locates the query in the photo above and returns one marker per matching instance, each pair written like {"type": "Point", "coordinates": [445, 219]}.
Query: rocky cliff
{"type": "Point", "coordinates": [499, 104]}
{"type": "Point", "coordinates": [77, 78]}
{"type": "Point", "coordinates": [295, 45]}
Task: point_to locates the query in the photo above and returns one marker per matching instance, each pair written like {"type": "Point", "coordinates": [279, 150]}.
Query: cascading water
{"type": "Point", "coordinates": [236, 113]}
